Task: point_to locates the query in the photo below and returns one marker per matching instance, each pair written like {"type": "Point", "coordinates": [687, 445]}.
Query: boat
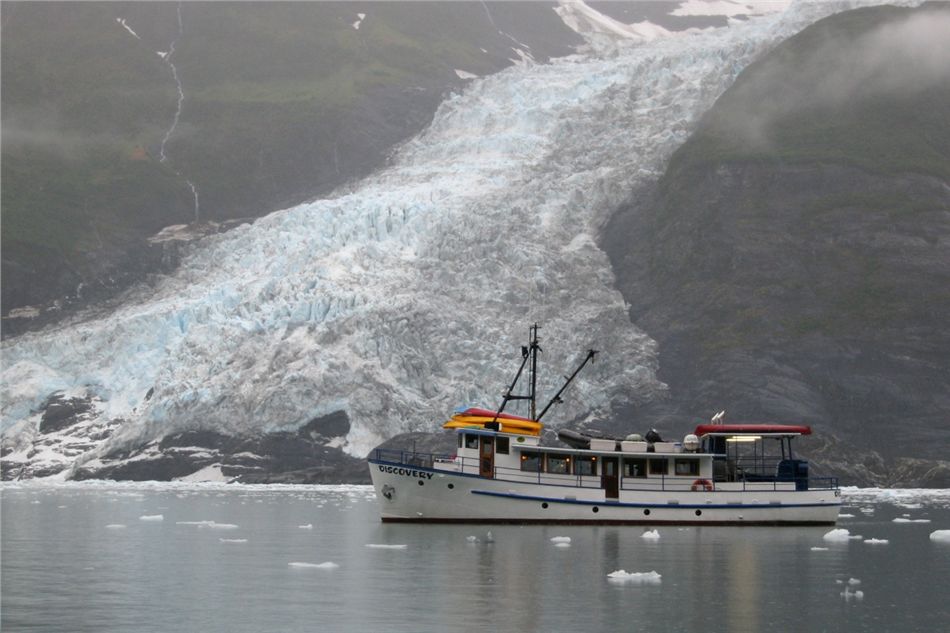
{"type": "Point", "coordinates": [501, 472]}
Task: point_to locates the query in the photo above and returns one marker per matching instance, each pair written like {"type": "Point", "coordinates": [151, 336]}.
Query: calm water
{"type": "Point", "coordinates": [63, 569]}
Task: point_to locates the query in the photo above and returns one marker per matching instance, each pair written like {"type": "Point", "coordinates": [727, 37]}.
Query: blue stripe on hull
{"type": "Point", "coordinates": [617, 504]}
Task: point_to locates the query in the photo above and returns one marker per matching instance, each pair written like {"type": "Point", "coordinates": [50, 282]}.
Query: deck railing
{"type": "Point", "coordinates": [471, 466]}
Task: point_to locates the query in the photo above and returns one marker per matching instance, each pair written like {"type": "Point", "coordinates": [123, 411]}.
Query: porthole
{"type": "Point", "coordinates": [545, 505]}
{"type": "Point", "coordinates": [422, 483]}
{"type": "Point", "coordinates": [451, 486]}
{"type": "Point", "coordinates": [595, 509]}
{"type": "Point", "coordinates": [646, 512]}
{"type": "Point", "coordinates": [699, 513]}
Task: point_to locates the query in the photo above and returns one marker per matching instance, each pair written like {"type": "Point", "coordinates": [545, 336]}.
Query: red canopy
{"type": "Point", "coordinates": [752, 429]}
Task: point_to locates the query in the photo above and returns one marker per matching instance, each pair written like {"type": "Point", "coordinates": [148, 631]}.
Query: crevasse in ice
{"type": "Point", "coordinates": [409, 293]}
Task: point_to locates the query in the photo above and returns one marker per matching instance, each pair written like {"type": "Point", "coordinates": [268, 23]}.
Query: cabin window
{"type": "Point", "coordinates": [530, 462]}
{"type": "Point", "coordinates": [585, 466]}
{"type": "Point", "coordinates": [460, 440]}
{"type": "Point", "coordinates": [688, 467]}
{"type": "Point", "coordinates": [634, 468]}
{"type": "Point", "coordinates": [501, 445]}
{"type": "Point", "coordinates": [659, 466]}
{"type": "Point", "coordinates": [559, 464]}
{"type": "Point", "coordinates": [471, 440]}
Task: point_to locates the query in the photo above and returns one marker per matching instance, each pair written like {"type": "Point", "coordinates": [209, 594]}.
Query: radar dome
{"type": "Point", "coordinates": [691, 443]}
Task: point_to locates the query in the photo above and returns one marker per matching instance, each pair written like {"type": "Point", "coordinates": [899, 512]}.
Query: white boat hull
{"type": "Point", "coordinates": [417, 494]}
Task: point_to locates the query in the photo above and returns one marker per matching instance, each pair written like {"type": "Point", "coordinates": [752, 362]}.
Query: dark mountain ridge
{"type": "Point", "coordinates": [794, 260]}
{"type": "Point", "coordinates": [281, 103]}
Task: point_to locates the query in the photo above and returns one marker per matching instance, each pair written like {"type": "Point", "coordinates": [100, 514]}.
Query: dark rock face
{"type": "Point", "coordinates": [801, 281]}
{"type": "Point", "coordinates": [62, 412]}
{"type": "Point", "coordinates": [304, 456]}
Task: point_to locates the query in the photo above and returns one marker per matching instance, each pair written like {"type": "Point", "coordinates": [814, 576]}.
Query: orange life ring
{"type": "Point", "coordinates": [703, 484]}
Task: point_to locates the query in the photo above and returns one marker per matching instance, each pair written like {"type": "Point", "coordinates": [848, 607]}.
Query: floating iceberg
{"type": "Point", "coordinates": [635, 577]}
{"type": "Point", "coordinates": [838, 535]}
{"type": "Point", "coordinates": [940, 536]}
{"type": "Point", "coordinates": [651, 535]}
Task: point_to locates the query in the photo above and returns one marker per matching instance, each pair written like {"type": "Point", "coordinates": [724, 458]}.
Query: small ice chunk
{"type": "Point", "coordinates": [854, 581]}
{"type": "Point", "coordinates": [152, 517]}
{"type": "Point", "coordinates": [876, 541]}
{"type": "Point", "coordinates": [634, 577]}
{"type": "Point", "coordinates": [218, 526]}
{"type": "Point", "coordinates": [838, 535]}
{"type": "Point", "coordinates": [115, 526]}
{"type": "Point", "coordinates": [562, 544]}
{"type": "Point", "coordinates": [489, 538]}
{"type": "Point", "coordinates": [327, 565]}
{"type": "Point", "coordinates": [905, 520]}
{"type": "Point", "coordinates": [819, 549]}
{"type": "Point", "coordinates": [845, 516]}
{"type": "Point", "coordinates": [471, 539]}
{"type": "Point", "coordinates": [560, 539]}
{"type": "Point", "coordinates": [940, 536]}
{"type": "Point", "coordinates": [847, 594]}
{"type": "Point", "coordinates": [309, 526]}
{"type": "Point", "coordinates": [652, 535]}
{"type": "Point", "coordinates": [386, 546]}
{"type": "Point", "coordinates": [233, 540]}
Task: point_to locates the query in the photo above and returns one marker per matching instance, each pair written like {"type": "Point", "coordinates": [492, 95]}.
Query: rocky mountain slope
{"type": "Point", "coordinates": [120, 119]}
{"type": "Point", "coordinates": [793, 263]}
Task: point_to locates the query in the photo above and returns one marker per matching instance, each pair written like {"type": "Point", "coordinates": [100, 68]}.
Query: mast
{"type": "Point", "coordinates": [528, 353]}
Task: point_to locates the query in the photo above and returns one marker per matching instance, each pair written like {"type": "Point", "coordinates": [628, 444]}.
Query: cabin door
{"type": "Point", "coordinates": [486, 457]}
{"type": "Point", "coordinates": [609, 477]}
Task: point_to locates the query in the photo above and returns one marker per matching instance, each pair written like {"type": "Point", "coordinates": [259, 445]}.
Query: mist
{"type": "Point", "coordinates": [835, 70]}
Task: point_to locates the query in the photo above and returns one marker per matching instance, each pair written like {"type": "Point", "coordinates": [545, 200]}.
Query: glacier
{"type": "Point", "coordinates": [407, 294]}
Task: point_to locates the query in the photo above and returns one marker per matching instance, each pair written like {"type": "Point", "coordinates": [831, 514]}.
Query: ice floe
{"type": "Point", "coordinates": [386, 546]}
{"type": "Point", "coordinates": [838, 535]}
{"type": "Point", "coordinates": [906, 520]}
{"type": "Point", "coordinates": [847, 594]}
{"type": "Point", "coordinates": [819, 549]}
{"type": "Point", "coordinates": [308, 526]}
{"type": "Point", "coordinates": [115, 526]}
{"type": "Point", "coordinates": [876, 541]}
{"type": "Point", "coordinates": [232, 540]}
{"type": "Point", "coordinates": [152, 517]}
{"type": "Point", "coordinates": [940, 536]}
{"type": "Point", "coordinates": [326, 565]}
{"type": "Point", "coordinates": [560, 539]}
{"type": "Point", "coordinates": [635, 577]}
{"type": "Point", "coordinates": [651, 535]}
{"type": "Point", "coordinates": [209, 524]}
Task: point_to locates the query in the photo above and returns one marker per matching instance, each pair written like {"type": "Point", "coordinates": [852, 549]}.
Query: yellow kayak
{"type": "Point", "coordinates": [524, 427]}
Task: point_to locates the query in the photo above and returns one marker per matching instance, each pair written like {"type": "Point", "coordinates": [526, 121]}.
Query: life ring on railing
{"type": "Point", "coordinates": [702, 484]}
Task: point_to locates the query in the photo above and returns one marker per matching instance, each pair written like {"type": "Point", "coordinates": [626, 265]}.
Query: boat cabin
{"type": "Point", "coordinates": [609, 464]}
